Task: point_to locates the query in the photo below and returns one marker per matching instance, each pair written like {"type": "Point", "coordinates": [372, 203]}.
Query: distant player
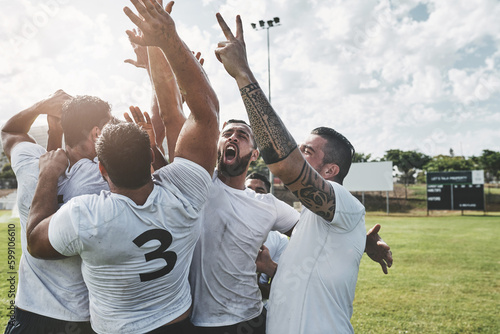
{"type": "Point", "coordinates": [275, 243]}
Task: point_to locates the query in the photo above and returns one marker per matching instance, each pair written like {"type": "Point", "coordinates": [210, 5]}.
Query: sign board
{"type": "Point", "coordinates": [461, 190]}
{"type": "Point", "coordinates": [369, 176]}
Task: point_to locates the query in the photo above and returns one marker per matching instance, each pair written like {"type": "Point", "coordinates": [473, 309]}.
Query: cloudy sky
{"type": "Point", "coordinates": [413, 75]}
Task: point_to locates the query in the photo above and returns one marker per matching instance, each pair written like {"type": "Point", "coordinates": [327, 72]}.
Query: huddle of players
{"type": "Point", "coordinates": [176, 252]}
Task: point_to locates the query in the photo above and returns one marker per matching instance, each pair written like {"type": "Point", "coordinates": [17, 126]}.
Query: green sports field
{"type": "Point", "coordinates": [445, 278]}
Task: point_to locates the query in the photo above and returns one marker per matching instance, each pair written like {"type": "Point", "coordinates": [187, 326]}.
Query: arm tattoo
{"type": "Point", "coordinates": [314, 192]}
{"type": "Point", "coordinates": [272, 137]}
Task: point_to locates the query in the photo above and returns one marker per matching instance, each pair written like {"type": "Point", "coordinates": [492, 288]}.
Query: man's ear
{"type": "Point", "coordinates": [103, 171]}
{"type": "Point", "coordinates": [152, 156]}
{"type": "Point", "coordinates": [255, 155]}
{"type": "Point", "coordinates": [330, 171]}
{"type": "Point", "coordinates": [95, 133]}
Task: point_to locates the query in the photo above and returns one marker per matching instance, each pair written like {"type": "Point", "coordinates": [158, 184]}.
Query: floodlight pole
{"type": "Point", "coordinates": [268, 67]}
{"type": "Point", "coordinates": [262, 25]}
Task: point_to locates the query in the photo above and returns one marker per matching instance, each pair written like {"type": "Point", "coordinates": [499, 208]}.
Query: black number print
{"type": "Point", "coordinates": [165, 239]}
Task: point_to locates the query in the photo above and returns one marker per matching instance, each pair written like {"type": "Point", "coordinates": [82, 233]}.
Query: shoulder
{"type": "Point", "coordinates": [349, 212]}
{"type": "Point", "coordinates": [181, 167]}
{"type": "Point", "coordinates": [25, 151]}
{"type": "Point", "coordinates": [81, 210]}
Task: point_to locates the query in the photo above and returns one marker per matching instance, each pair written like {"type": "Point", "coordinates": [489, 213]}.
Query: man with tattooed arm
{"type": "Point", "coordinates": [314, 286]}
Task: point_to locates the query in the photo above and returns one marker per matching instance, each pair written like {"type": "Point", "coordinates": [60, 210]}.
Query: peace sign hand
{"type": "Point", "coordinates": [232, 52]}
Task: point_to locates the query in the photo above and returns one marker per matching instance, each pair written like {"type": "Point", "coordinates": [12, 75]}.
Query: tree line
{"type": "Point", "coordinates": [412, 165]}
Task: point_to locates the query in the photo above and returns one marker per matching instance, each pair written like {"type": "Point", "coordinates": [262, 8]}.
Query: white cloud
{"type": "Point", "coordinates": [366, 68]}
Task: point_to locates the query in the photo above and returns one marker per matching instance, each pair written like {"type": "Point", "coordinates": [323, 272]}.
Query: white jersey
{"type": "Point", "coordinates": [136, 258]}
{"type": "Point", "coordinates": [223, 273]}
{"type": "Point", "coordinates": [51, 288]}
{"type": "Point", "coordinates": [276, 242]}
{"type": "Point", "coordinates": [314, 287]}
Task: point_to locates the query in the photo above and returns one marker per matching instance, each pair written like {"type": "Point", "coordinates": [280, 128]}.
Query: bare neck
{"type": "Point", "coordinates": [81, 151]}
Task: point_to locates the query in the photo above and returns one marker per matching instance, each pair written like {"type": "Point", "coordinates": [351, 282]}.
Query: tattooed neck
{"type": "Point", "coordinates": [274, 141]}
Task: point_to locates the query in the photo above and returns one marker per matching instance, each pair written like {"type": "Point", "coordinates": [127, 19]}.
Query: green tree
{"type": "Point", "coordinates": [7, 172]}
{"type": "Point", "coordinates": [446, 163]}
{"type": "Point", "coordinates": [421, 177]}
{"type": "Point", "coordinates": [361, 157]}
{"type": "Point", "coordinates": [490, 162]}
{"type": "Point", "coordinates": [407, 162]}
{"type": "Point", "coordinates": [259, 166]}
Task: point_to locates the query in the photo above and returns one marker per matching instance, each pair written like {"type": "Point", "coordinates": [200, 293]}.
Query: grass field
{"type": "Point", "coordinates": [445, 277]}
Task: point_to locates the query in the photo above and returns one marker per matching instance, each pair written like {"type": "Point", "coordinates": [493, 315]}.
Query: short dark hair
{"type": "Point", "coordinates": [338, 150]}
{"type": "Point", "coordinates": [80, 115]}
{"type": "Point", "coordinates": [258, 176]}
{"type": "Point", "coordinates": [240, 121]}
{"type": "Point", "coordinates": [124, 150]}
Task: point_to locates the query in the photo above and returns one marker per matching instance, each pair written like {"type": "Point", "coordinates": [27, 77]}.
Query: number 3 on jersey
{"type": "Point", "coordinates": [165, 239]}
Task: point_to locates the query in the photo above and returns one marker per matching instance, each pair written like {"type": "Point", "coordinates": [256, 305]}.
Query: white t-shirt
{"type": "Point", "coordinates": [223, 273]}
{"type": "Point", "coordinates": [51, 288]}
{"type": "Point", "coordinates": [314, 286]}
{"type": "Point", "coordinates": [136, 258]}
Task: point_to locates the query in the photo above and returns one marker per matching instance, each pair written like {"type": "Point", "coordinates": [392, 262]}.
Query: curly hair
{"type": "Point", "coordinates": [80, 115]}
{"type": "Point", "coordinates": [124, 150]}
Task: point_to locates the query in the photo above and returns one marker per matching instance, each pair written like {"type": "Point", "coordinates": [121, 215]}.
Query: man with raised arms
{"type": "Point", "coordinates": [136, 241]}
{"type": "Point", "coordinates": [314, 286]}
{"type": "Point", "coordinates": [236, 220]}
{"type": "Point", "coordinates": [51, 295]}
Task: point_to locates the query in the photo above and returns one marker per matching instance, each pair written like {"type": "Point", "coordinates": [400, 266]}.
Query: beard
{"type": "Point", "coordinates": [237, 168]}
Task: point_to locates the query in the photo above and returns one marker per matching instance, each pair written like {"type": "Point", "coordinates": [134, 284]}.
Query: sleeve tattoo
{"type": "Point", "coordinates": [274, 140]}
{"type": "Point", "coordinates": [314, 192]}
{"type": "Point", "coordinates": [276, 143]}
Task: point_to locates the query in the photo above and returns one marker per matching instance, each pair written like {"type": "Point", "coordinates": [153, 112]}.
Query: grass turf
{"type": "Point", "coordinates": [445, 277]}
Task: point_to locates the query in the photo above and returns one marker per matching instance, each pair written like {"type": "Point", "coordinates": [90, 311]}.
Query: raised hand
{"type": "Point", "coordinates": [197, 55]}
{"type": "Point", "coordinates": [53, 104]}
{"type": "Point", "coordinates": [154, 22]}
{"type": "Point", "coordinates": [140, 51]}
{"type": "Point", "coordinates": [377, 249]}
{"type": "Point", "coordinates": [232, 52]}
{"type": "Point", "coordinates": [16, 129]}
{"type": "Point", "coordinates": [144, 121]}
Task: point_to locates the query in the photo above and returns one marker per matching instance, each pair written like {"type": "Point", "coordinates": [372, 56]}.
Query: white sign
{"type": "Point", "coordinates": [478, 177]}
{"type": "Point", "coordinates": [370, 176]}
